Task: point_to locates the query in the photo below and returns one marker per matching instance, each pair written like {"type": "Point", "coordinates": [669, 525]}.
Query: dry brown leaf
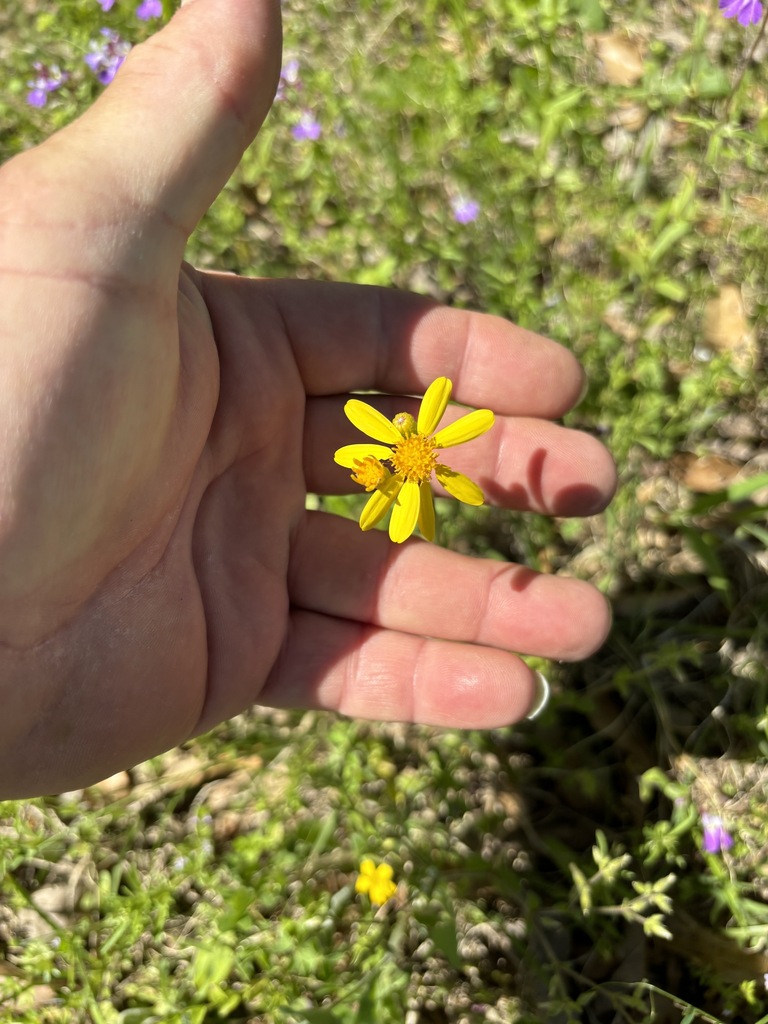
{"type": "Point", "coordinates": [188, 773]}
{"type": "Point", "coordinates": [615, 317]}
{"type": "Point", "coordinates": [33, 998]}
{"type": "Point", "coordinates": [705, 474]}
{"type": "Point", "coordinates": [621, 59]}
{"type": "Point", "coordinates": [629, 116]}
{"type": "Point", "coordinates": [115, 787]}
{"type": "Point", "coordinates": [694, 941]}
{"type": "Point", "coordinates": [726, 328]}
{"type": "Point", "coordinates": [755, 207]}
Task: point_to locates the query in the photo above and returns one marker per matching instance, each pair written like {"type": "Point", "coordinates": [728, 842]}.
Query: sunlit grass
{"type": "Point", "coordinates": [557, 867]}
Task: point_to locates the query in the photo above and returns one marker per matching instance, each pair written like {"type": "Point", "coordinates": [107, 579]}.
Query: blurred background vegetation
{"type": "Point", "coordinates": [550, 872]}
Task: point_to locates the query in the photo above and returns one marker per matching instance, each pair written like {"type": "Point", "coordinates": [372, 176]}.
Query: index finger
{"type": "Point", "coordinates": [356, 337]}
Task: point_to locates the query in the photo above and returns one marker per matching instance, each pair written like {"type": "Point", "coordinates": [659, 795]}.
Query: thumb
{"type": "Point", "coordinates": [172, 126]}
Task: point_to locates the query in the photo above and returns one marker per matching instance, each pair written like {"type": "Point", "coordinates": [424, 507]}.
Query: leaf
{"type": "Point", "coordinates": [582, 889]}
{"type": "Point", "coordinates": [443, 934]}
{"type": "Point", "coordinates": [590, 14]}
{"type": "Point", "coordinates": [676, 291]}
{"type": "Point", "coordinates": [368, 1008]}
{"type": "Point", "coordinates": [238, 904]}
{"type": "Point", "coordinates": [212, 966]}
{"type": "Point", "coordinates": [654, 925]}
{"type": "Point", "coordinates": [745, 488]}
{"type": "Point", "coordinates": [668, 238]}
{"type": "Point", "coordinates": [562, 103]}
{"type": "Point", "coordinates": [380, 274]}
{"type": "Point", "coordinates": [656, 778]}
{"type": "Point", "coordinates": [319, 1016]}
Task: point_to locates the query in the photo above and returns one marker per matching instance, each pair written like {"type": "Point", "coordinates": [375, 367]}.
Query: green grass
{"type": "Point", "coordinates": [548, 872]}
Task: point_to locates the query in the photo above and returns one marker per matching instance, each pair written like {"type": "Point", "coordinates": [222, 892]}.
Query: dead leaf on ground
{"type": "Point", "coordinates": [30, 999]}
{"type": "Point", "coordinates": [188, 773]}
{"type": "Point", "coordinates": [113, 788]}
{"type": "Point", "coordinates": [617, 318]}
{"type": "Point", "coordinates": [705, 474]}
{"type": "Point", "coordinates": [629, 116]}
{"type": "Point", "coordinates": [695, 941]}
{"type": "Point", "coordinates": [726, 328]}
{"type": "Point", "coordinates": [755, 208]}
{"type": "Point", "coordinates": [621, 59]}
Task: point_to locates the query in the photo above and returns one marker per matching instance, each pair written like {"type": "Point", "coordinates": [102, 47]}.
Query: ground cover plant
{"type": "Point", "coordinates": [594, 171]}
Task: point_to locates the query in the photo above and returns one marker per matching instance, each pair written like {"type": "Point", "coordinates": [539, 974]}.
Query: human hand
{"type": "Point", "coordinates": [161, 427]}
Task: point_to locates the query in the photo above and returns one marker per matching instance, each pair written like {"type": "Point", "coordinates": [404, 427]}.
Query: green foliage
{"type": "Point", "coordinates": [531, 859]}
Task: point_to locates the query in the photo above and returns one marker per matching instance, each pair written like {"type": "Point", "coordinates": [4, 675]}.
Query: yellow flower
{"type": "Point", "coordinates": [375, 881]}
{"type": "Point", "coordinates": [399, 471]}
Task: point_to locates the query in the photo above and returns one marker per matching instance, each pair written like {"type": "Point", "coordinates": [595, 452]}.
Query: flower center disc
{"type": "Point", "coordinates": [369, 473]}
{"type": "Point", "coordinates": [414, 458]}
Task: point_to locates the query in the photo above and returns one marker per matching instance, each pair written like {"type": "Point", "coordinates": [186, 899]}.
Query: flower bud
{"type": "Point", "coordinates": [405, 423]}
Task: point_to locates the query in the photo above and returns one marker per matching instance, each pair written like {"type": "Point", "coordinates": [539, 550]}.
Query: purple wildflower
{"type": "Point", "coordinates": [747, 12]}
{"type": "Point", "coordinates": [47, 80]}
{"type": "Point", "coordinates": [716, 838]}
{"type": "Point", "coordinates": [465, 210]}
{"type": "Point", "coordinates": [105, 58]}
{"type": "Point", "coordinates": [307, 128]}
{"type": "Point", "coordinates": [289, 75]}
{"type": "Point", "coordinates": [106, 5]}
{"type": "Point", "coordinates": [149, 9]}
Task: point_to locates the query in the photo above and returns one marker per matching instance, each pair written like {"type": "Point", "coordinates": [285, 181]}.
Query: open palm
{"type": "Point", "coordinates": [162, 427]}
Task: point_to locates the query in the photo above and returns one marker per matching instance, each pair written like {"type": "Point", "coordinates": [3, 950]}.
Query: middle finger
{"type": "Point", "coordinates": [521, 463]}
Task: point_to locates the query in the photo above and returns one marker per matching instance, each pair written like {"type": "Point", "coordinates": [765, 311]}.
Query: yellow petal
{"type": "Point", "coordinates": [378, 505]}
{"type": "Point", "coordinates": [347, 455]}
{"type": "Point", "coordinates": [372, 422]}
{"type": "Point", "coordinates": [405, 513]}
{"type": "Point", "coordinates": [433, 405]}
{"type": "Point", "coordinates": [381, 892]}
{"type": "Point", "coordinates": [459, 486]}
{"type": "Point", "coordinates": [465, 429]}
{"type": "Point", "coordinates": [426, 512]}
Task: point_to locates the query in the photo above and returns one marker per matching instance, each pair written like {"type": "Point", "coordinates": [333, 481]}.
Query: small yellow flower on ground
{"type": "Point", "coordinates": [410, 449]}
{"type": "Point", "coordinates": [375, 881]}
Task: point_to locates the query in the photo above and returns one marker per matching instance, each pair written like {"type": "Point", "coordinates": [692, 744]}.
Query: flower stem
{"type": "Point", "coordinates": [746, 62]}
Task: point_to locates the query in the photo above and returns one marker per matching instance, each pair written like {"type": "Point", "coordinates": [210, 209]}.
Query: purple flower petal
{"type": "Point", "coordinates": [308, 128]}
{"type": "Point", "coordinates": [289, 75]}
{"type": "Point", "coordinates": [465, 210]}
{"type": "Point", "coordinates": [716, 838]}
{"type": "Point", "coordinates": [751, 13]}
{"type": "Point", "coordinates": [105, 57]}
{"type": "Point", "coordinates": [48, 80]}
{"type": "Point", "coordinates": [107, 74]}
{"type": "Point", "coordinates": [37, 97]}
{"type": "Point", "coordinates": [290, 71]}
{"type": "Point", "coordinates": [747, 12]}
{"type": "Point", "coordinates": [149, 9]}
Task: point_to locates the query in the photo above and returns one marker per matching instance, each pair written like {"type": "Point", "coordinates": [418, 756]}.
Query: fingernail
{"type": "Point", "coordinates": [542, 696]}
